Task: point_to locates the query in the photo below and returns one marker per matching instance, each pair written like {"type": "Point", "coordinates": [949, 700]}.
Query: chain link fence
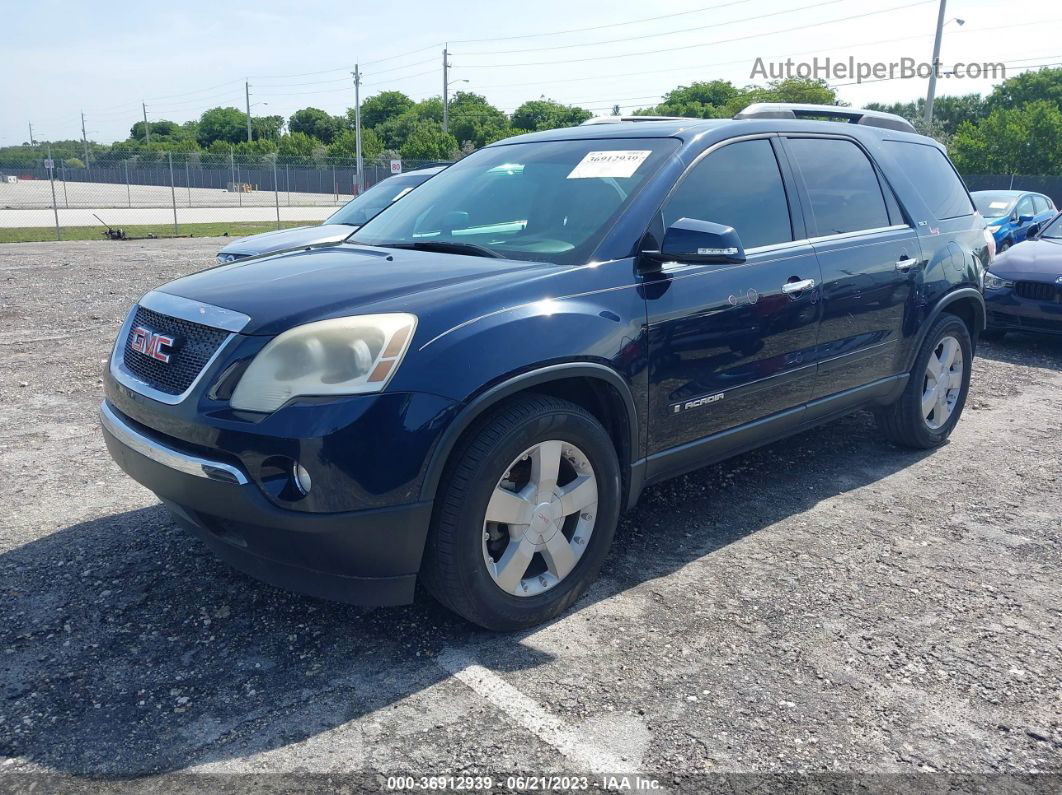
{"type": "Point", "coordinates": [178, 194]}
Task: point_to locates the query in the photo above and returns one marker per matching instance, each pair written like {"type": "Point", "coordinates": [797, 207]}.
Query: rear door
{"type": "Point", "coordinates": [870, 259]}
{"type": "Point", "coordinates": [730, 344]}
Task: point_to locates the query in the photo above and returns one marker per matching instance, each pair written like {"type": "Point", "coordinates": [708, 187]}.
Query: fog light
{"type": "Point", "coordinates": [302, 479]}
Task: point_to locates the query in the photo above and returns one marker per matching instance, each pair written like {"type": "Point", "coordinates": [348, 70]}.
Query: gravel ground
{"type": "Point", "coordinates": [830, 603]}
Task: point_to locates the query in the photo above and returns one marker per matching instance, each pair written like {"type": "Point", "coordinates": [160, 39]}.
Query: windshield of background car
{"type": "Point", "coordinates": [548, 202]}
{"type": "Point", "coordinates": [373, 200]}
{"type": "Point", "coordinates": [1053, 230]}
{"type": "Point", "coordinates": [994, 205]}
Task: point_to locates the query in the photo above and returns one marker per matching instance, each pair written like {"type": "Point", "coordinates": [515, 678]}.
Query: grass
{"type": "Point", "coordinates": [38, 234]}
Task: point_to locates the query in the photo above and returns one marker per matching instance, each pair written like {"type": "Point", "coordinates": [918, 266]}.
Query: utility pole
{"type": "Point", "coordinates": [357, 127]}
{"type": "Point", "coordinates": [446, 89]}
{"type": "Point", "coordinates": [31, 134]}
{"type": "Point", "coordinates": [930, 96]}
{"type": "Point", "coordinates": [147, 127]}
{"type": "Point", "coordinates": [84, 138]}
{"type": "Point", "coordinates": [247, 95]}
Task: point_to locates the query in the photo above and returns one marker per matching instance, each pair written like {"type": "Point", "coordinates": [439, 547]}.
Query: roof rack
{"type": "Point", "coordinates": [620, 119]}
{"type": "Point", "coordinates": [786, 110]}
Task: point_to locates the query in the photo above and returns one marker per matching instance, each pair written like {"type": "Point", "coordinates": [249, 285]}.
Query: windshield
{"type": "Point", "coordinates": [361, 209]}
{"type": "Point", "coordinates": [994, 205]}
{"type": "Point", "coordinates": [1053, 230]}
{"type": "Point", "coordinates": [549, 202]}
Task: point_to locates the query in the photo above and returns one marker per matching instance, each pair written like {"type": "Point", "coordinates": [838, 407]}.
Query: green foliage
{"type": "Point", "coordinates": [545, 114]}
{"type": "Point", "coordinates": [473, 119]}
{"type": "Point", "coordinates": [296, 144]}
{"type": "Point", "coordinates": [315, 123]}
{"type": "Point", "coordinates": [377, 109]}
{"type": "Point", "coordinates": [427, 141]}
{"type": "Point", "coordinates": [222, 124]}
{"type": "Point", "coordinates": [345, 145]}
{"type": "Point", "coordinates": [1021, 140]}
{"type": "Point", "coordinates": [702, 100]}
{"type": "Point", "coordinates": [1027, 88]}
{"type": "Point", "coordinates": [268, 127]}
{"type": "Point", "coordinates": [948, 113]}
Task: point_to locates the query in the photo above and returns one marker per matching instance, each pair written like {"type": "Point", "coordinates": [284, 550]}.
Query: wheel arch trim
{"type": "Point", "coordinates": [477, 405]}
{"type": "Point", "coordinates": [971, 294]}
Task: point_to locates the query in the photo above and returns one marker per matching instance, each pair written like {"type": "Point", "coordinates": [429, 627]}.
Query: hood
{"type": "Point", "coordinates": [288, 239]}
{"type": "Point", "coordinates": [1037, 260]}
{"type": "Point", "coordinates": [287, 290]}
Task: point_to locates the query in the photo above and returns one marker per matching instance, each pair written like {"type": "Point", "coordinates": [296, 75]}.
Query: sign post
{"type": "Point", "coordinates": [396, 166]}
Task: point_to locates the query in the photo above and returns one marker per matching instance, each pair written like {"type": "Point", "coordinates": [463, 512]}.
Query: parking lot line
{"type": "Point", "coordinates": [586, 757]}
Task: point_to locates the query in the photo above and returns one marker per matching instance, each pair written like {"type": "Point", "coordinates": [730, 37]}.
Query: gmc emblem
{"type": "Point", "coordinates": [151, 344]}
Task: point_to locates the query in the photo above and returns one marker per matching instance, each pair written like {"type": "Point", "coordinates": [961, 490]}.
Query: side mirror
{"type": "Point", "coordinates": [1032, 231]}
{"type": "Point", "coordinates": [691, 240]}
{"type": "Point", "coordinates": [1024, 219]}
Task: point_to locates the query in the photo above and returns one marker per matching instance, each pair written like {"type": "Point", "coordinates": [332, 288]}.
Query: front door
{"type": "Point", "coordinates": [731, 344]}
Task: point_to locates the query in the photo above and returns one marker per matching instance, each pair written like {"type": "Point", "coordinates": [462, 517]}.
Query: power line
{"type": "Point", "coordinates": [701, 44]}
{"type": "Point", "coordinates": [603, 27]}
{"type": "Point", "coordinates": [664, 33]}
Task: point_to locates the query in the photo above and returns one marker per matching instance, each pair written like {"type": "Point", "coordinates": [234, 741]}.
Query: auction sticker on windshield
{"type": "Point", "coordinates": [619, 163]}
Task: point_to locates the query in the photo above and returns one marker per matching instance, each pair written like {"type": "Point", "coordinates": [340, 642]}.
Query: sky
{"type": "Point", "coordinates": [62, 58]}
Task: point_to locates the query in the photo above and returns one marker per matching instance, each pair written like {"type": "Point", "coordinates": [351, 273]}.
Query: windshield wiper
{"type": "Point", "coordinates": [446, 247]}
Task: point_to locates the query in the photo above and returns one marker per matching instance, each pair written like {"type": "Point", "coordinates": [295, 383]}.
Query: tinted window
{"type": "Point", "coordinates": [842, 186]}
{"type": "Point", "coordinates": [739, 186]}
{"type": "Point", "coordinates": [934, 177]}
{"type": "Point", "coordinates": [365, 206]}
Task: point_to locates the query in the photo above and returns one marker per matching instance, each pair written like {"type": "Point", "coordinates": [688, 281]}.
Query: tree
{"type": "Point", "coordinates": [267, 127]}
{"type": "Point", "coordinates": [948, 113]}
{"type": "Point", "coordinates": [545, 114]}
{"type": "Point", "coordinates": [381, 107]}
{"type": "Point", "coordinates": [701, 100]}
{"type": "Point", "coordinates": [473, 119]}
{"type": "Point", "coordinates": [315, 123]}
{"type": "Point", "coordinates": [1026, 88]}
{"type": "Point", "coordinates": [222, 124]}
{"type": "Point", "coordinates": [394, 132]}
{"type": "Point", "coordinates": [795, 89]}
{"type": "Point", "coordinates": [345, 145]}
{"type": "Point", "coordinates": [296, 144]}
{"type": "Point", "coordinates": [159, 129]}
{"type": "Point", "coordinates": [1011, 141]}
{"type": "Point", "coordinates": [427, 141]}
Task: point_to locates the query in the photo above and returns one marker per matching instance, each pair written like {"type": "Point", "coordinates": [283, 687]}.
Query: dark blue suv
{"type": "Point", "coordinates": [473, 386]}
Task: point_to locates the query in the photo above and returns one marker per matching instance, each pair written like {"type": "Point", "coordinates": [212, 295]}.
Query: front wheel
{"type": "Point", "coordinates": [525, 514]}
{"type": "Point", "coordinates": [926, 413]}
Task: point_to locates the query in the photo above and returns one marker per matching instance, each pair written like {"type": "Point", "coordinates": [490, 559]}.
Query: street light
{"type": "Point", "coordinates": [446, 102]}
{"type": "Point", "coordinates": [931, 93]}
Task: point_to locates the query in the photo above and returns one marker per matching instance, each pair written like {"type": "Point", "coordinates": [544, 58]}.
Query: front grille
{"type": "Point", "coordinates": [193, 346]}
{"type": "Point", "coordinates": [1038, 291]}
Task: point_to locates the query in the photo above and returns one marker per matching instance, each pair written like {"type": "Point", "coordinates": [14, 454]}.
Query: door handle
{"type": "Point", "coordinates": [904, 264]}
{"type": "Point", "coordinates": [797, 287]}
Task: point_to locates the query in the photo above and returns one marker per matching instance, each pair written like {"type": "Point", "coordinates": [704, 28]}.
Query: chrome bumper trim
{"type": "Point", "coordinates": [167, 456]}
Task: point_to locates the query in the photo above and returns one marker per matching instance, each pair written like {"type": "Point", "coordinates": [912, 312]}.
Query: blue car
{"type": "Point", "coordinates": [1010, 213]}
{"type": "Point", "coordinates": [1023, 288]}
{"type": "Point", "coordinates": [470, 389]}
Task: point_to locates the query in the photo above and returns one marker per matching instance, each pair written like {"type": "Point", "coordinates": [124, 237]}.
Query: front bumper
{"type": "Point", "coordinates": [367, 557]}
{"type": "Point", "coordinates": [1010, 312]}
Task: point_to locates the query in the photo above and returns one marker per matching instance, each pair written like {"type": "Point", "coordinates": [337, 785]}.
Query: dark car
{"type": "Point", "coordinates": [1011, 214]}
{"type": "Point", "coordinates": [472, 388]}
{"type": "Point", "coordinates": [1023, 289]}
{"type": "Point", "coordinates": [336, 227]}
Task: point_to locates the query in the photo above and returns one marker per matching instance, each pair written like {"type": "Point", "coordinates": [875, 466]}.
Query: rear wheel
{"type": "Point", "coordinates": [525, 514]}
{"type": "Point", "coordinates": [931, 404]}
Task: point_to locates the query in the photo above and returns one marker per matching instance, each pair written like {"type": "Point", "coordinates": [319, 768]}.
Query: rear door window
{"type": "Point", "coordinates": [1041, 203]}
{"type": "Point", "coordinates": [933, 177]}
{"type": "Point", "coordinates": [738, 185]}
{"type": "Point", "coordinates": [842, 186]}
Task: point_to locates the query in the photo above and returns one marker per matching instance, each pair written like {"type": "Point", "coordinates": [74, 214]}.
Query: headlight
{"type": "Point", "coordinates": [344, 356]}
{"type": "Point", "coordinates": [993, 282]}
{"type": "Point", "coordinates": [995, 229]}
{"type": "Point", "coordinates": [226, 258]}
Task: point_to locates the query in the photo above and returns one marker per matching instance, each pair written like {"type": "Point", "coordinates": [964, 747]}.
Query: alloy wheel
{"type": "Point", "coordinates": [942, 382]}
{"type": "Point", "coordinates": [540, 518]}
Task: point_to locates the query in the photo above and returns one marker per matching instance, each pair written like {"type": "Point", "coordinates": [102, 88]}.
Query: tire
{"type": "Point", "coordinates": [993, 334]}
{"type": "Point", "coordinates": [461, 540]}
{"type": "Point", "coordinates": [904, 421]}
